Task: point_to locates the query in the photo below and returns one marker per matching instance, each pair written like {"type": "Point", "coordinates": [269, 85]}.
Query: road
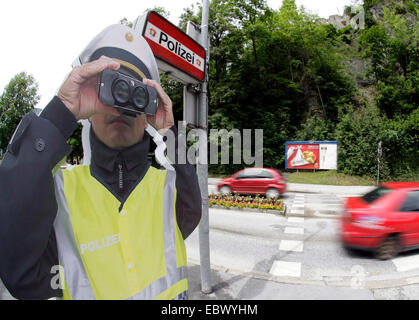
{"type": "Point", "coordinates": [302, 247]}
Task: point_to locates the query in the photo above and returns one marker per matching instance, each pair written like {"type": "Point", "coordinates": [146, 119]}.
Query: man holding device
{"type": "Point", "coordinates": [115, 225]}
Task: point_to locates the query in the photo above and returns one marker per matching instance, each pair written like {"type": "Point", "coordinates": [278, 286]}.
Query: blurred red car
{"type": "Point", "coordinates": [263, 181]}
{"type": "Point", "coordinates": [385, 220]}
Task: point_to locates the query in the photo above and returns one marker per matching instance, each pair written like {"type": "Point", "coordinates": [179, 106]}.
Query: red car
{"type": "Point", "coordinates": [263, 181]}
{"type": "Point", "coordinates": [385, 220]}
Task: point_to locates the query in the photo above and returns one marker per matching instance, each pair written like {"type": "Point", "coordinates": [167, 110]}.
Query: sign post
{"type": "Point", "coordinates": [379, 155]}
{"type": "Point", "coordinates": [202, 168]}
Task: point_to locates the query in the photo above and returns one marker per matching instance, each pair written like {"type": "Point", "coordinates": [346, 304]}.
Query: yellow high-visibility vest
{"type": "Point", "coordinates": [108, 253]}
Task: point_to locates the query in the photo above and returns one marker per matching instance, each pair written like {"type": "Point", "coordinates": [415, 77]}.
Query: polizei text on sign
{"type": "Point", "coordinates": [168, 42]}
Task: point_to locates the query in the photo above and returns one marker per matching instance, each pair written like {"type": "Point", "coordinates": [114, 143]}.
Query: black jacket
{"type": "Point", "coordinates": [28, 207]}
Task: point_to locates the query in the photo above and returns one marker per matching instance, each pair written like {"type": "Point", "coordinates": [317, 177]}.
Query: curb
{"type": "Point", "coordinates": [274, 212]}
{"type": "Point", "coordinates": [330, 281]}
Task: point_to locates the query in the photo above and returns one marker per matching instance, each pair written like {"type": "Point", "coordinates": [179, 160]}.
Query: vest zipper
{"type": "Point", "coordinates": [121, 177]}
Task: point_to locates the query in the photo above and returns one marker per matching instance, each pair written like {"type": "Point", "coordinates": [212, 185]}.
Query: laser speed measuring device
{"type": "Point", "coordinates": [129, 95]}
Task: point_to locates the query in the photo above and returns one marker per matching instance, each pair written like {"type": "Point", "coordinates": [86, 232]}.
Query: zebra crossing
{"type": "Point", "coordinates": [321, 205]}
{"type": "Point", "coordinates": [297, 214]}
{"type": "Point", "coordinates": [406, 263]}
{"type": "Point", "coordinates": [281, 268]}
{"type": "Point", "coordinates": [298, 205]}
{"type": "Point", "coordinates": [297, 210]}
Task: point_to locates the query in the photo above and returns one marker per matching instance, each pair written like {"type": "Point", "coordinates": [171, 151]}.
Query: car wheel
{"type": "Point", "coordinates": [225, 190]}
{"type": "Point", "coordinates": [388, 249]}
{"type": "Point", "coordinates": [272, 193]}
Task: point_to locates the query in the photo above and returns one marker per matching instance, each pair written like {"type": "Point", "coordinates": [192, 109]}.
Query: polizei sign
{"type": "Point", "coordinates": [177, 54]}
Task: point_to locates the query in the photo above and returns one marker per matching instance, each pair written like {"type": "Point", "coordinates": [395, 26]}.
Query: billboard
{"type": "Point", "coordinates": [177, 54]}
{"type": "Point", "coordinates": [311, 155]}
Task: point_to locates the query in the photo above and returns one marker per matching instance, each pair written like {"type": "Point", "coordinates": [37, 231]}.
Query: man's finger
{"type": "Point", "coordinates": [162, 94]}
{"type": "Point", "coordinates": [91, 69]}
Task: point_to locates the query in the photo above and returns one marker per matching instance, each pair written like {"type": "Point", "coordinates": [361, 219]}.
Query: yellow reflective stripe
{"type": "Point", "coordinates": [173, 291]}
{"type": "Point", "coordinates": [161, 285]}
{"type": "Point", "coordinates": [181, 259]}
{"type": "Point", "coordinates": [74, 273]}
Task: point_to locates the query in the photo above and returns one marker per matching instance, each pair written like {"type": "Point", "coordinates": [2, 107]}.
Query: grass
{"type": "Point", "coordinates": [408, 177]}
{"type": "Point", "coordinates": [329, 178]}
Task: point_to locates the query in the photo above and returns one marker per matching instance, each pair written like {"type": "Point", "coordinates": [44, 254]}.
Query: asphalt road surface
{"type": "Point", "coordinates": [302, 247]}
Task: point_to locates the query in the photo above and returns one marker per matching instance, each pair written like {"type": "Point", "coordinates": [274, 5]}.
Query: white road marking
{"type": "Point", "coordinates": [406, 263]}
{"type": "Point", "coordinates": [291, 230]}
{"type": "Point", "coordinates": [286, 269]}
{"type": "Point", "coordinates": [291, 245]}
{"type": "Point", "coordinates": [299, 201]}
{"type": "Point", "coordinates": [296, 211]}
{"type": "Point", "coordinates": [297, 206]}
{"type": "Point", "coordinates": [295, 220]}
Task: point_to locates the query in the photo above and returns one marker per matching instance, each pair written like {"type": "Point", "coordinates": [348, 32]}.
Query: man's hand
{"type": "Point", "coordinates": [163, 120]}
{"type": "Point", "coordinates": [79, 91]}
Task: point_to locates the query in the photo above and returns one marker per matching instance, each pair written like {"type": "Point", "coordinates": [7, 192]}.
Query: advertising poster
{"type": "Point", "coordinates": [311, 155]}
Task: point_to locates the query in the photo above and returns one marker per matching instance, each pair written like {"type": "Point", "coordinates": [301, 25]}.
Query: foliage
{"type": "Point", "coordinates": [400, 145]}
{"type": "Point", "coordinates": [391, 46]}
{"type": "Point", "coordinates": [358, 135]}
{"type": "Point", "coordinates": [290, 74]}
{"type": "Point", "coordinates": [18, 98]}
{"type": "Point", "coordinates": [174, 90]}
{"type": "Point", "coordinates": [287, 72]}
{"type": "Point", "coordinates": [76, 144]}
{"type": "Point", "coordinates": [275, 68]}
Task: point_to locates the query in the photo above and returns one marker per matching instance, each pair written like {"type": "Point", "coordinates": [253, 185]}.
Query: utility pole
{"type": "Point", "coordinates": [202, 168]}
{"type": "Point", "coordinates": [379, 155]}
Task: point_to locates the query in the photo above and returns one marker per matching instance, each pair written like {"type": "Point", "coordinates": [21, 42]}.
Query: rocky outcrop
{"type": "Point", "coordinates": [377, 12]}
{"type": "Point", "coordinates": [338, 21]}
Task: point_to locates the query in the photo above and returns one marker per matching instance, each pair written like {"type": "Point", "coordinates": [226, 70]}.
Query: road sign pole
{"type": "Point", "coordinates": [202, 168]}
{"type": "Point", "coordinates": [379, 155]}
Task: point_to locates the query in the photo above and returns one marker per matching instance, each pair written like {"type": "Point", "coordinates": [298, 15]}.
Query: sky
{"type": "Point", "coordinates": [44, 37]}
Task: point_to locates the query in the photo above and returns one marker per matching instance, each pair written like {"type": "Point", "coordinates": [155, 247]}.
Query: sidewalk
{"type": "Point", "coordinates": [234, 285]}
{"type": "Point", "coordinates": [230, 285]}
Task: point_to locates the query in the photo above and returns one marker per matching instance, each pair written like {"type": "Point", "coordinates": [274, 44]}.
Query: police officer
{"type": "Point", "coordinates": [114, 227]}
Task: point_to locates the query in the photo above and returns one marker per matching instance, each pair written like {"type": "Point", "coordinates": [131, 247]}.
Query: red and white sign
{"type": "Point", "coordinates": [304, 156]}
{"type": "Point", "coordinates": [311, 155]}
{"type": "Point", "coordinates": [174, 47]}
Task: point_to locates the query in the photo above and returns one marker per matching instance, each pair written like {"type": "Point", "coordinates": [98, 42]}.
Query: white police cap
{"type": "Point", "coordinates": [122, 44]}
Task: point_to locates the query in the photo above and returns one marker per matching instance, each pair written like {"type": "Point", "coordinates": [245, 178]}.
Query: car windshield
{"type": "Point", "coordinates": [375, 194]}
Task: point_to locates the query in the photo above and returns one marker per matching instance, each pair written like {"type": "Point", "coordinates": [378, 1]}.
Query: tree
{"type": "Point", "coordinates": [19, 97]}
{"type": "Point", "coordinates": [391, 47]}
{"type": "Point", "coordinates": [272, 70]}
{"type": "Point", "coordinates": [75, 142]}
